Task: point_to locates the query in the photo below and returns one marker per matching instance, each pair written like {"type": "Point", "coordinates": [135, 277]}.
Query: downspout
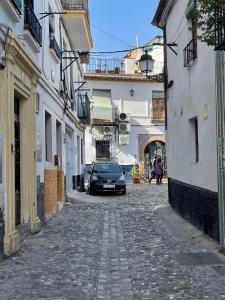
{"type": "Point", "coordinates": [165, 74]}
{"type": "Point", "coordinates": [220, 110]}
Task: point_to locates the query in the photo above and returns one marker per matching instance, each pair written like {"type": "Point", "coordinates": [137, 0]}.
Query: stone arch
{"type": "Point", "coordinates": [148, 140]}
{"type": "Point", "coordinates": [152, 138]}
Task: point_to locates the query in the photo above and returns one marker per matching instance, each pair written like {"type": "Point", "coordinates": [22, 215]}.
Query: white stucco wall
{"type": "Point", "coordinates": [192, 95]}
{"type": "Point", "coordinates": [49, 83]}
{"type": "Point", "coordinates": [138, 106]}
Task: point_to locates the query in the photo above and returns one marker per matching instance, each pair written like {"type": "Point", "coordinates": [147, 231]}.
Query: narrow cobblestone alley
{"type": "Point", "coordinates": [115, 248]}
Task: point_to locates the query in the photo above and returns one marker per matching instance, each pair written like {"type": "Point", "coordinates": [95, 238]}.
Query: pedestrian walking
{"type": "Point", "coordinates": [159, 170]}
{"type": "Point", "coordinates": [153, 169]}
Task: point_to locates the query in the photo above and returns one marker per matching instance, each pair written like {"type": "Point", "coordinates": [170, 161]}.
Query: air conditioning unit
{"type": "Point", "coordinates": [124, 127]}
{"type": "Point", "coordinates": [124, 117]}
{"type": "Point", "coordinates": [107, 130]}
{"type": "Point", "coordinates": [123, 139]}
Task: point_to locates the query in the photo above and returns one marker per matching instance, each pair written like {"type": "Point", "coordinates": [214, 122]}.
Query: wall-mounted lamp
{"type": "Point", "coordinates": [132, 92]}
{"type": "Point", "coordinates": [170, 84]}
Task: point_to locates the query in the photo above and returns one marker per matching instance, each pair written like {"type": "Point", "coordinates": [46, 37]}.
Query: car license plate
{"type": "Point", "coordinates": [109, 186]}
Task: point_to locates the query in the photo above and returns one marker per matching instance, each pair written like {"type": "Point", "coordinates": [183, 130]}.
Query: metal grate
{"type": "Point", "coordinates": [220, 270]}
{"type": "Point", "coordinates": [199, 259]}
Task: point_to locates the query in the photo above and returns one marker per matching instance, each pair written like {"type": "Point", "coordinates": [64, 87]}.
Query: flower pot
{"type": "Point", "coordinates": [135, 180]}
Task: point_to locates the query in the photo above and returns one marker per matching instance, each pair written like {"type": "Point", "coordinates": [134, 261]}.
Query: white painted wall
{"type": "Point", "coordinates": [140, 108]}
{"type": "Point", "coordinates": [48, 85]}
{"type": "Point", "coordinates": [193, 94]}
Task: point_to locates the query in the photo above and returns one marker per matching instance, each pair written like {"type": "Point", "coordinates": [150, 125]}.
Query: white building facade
{"type": "Point", "coordinates": [135, 139]}
{"type": "Point", "coordinates": [42, 44]}
{"type": "Point", "coordinates": [191, 118]}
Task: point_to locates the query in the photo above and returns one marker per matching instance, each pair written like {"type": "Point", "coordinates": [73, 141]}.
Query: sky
{"type": "Point", "coordinates": [123, 19]}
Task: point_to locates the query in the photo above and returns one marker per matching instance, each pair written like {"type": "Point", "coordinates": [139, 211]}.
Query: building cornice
{"type": "Point", "coordinates": [122, 77]}
{"type": "Point", "coordinates": [162, 13]}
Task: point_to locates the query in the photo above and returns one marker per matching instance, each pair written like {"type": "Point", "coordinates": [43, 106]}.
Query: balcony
{"type": "Point", "coordinates": [190, 52]}
{"type": "Point", "coordinates": [105, 66]}
{"type": "Point", "coordinates": [18, 5]}
{"type": "Point", "coordinates": [55, 47]}
{"type": "Point", "coordinates": [75, 18]}
{"type": "Point", "coordinates": [83, 108]}
{"type": "Point", "coordinates": [31, 23]}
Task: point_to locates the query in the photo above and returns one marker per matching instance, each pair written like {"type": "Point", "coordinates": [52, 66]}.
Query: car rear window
{"type": "Point", "coordinates": [107, 168]}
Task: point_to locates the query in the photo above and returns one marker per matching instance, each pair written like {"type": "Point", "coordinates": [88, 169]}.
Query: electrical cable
{"type": "Point", "coordinates": [112, 36]}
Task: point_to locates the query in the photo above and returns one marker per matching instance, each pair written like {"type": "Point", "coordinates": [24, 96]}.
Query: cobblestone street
{"type": "Point", "coordinates": [116, 248]}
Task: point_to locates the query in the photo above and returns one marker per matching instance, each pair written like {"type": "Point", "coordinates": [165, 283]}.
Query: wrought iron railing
{"type": "Point", "coordinates": [74, 4]}
{"type": "Point", "coordinates": [83, 108]}
{"type": "Point", "coordinates": [190, 52]}
{"type": "Point", "coordinates": [18, 5]}
{"type": "Point", "coordinates": [54, 45]}
{"type": "Point", "coordinates": [220, 29]}
{"type": "Point", "coordinates": [31, 22]}
{"type": "Point", "coordinates": [112, 66]}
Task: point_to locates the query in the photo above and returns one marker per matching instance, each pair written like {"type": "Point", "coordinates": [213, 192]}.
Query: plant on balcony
{"type": "Point", "coordinates": [204, 12]}
{"type": "Point", "coordinates": [134, 174]}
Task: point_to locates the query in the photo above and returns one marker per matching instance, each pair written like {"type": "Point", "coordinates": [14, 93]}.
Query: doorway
{"type": "Point", "coordinates": [155, 148]}
{"type": "Point", "coordinates": [69, 160]}
{"type": "Point", "coordinates": [17, 160]}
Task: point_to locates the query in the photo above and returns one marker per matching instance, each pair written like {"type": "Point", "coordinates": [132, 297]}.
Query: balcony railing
{"type": "Point", "coordinates": [110, 66]}
{"type": "Point", "coordinates": [54, 45]}
{"type": "Point", "coordinates": [190, 52]}
{"type": "Point", "coordinates": [18, 5]}
{"type": "Point", "coordinates": [74, 4]}
{"type": "Point", "coordinates": [31, 22]}
{"type": "Point", "coordinates": [220, 29]}
{"type": "Point", "coordinates": [83, 111]}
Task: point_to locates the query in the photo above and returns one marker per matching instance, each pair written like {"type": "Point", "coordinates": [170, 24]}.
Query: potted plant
{"type": "Point", "coordinates": [134, 174]}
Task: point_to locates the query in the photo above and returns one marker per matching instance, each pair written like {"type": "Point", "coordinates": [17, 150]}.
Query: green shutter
{"type": "Point", "coordinates": [102, 105]}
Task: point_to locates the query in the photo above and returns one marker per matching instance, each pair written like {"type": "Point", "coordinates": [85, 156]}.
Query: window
{"type": "Point", "coordinates": [37, 103]}
{"type": "Point", "coordinates": [103, 150]}
{"type": "Point", "coordinates": [190, 51]}
{"type": "Point", "coordinates": [158, 106]}
{"type": "Point", "coordinates": [82, 151]}
{"type": "Point", "coordinates": [48, 137]}
{"type": "Point", "coordinates": [51, 23]}
{"type": "Point", "coordinates": [195, 141]}
{"type": "Point", "coordinates": [194, 37]}
{"type": "Point", "coordinates": [59, 139]}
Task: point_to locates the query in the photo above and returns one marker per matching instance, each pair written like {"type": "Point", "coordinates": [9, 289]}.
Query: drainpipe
{"type": "Point", "coordinates": [220, 110]}
{"type": "Point", "coordinates": [165, 71]}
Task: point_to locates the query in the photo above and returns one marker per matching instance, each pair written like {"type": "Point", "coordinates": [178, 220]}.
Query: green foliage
{"type": "Point", "coordinates": [204, 13]}
{"type": "Point", "coordinates": [134, 171]}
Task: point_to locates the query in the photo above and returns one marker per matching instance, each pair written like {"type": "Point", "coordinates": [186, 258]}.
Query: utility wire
{"type": "Point", "coordinates": [112, 36]}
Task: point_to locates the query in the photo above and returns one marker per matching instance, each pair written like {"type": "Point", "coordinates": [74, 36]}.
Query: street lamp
{"type": "Point", "coordinates": [146, 63]}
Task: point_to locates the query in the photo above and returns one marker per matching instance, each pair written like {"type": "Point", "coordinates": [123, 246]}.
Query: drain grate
{"type": "Point", "coordinates": [199, 259]}
{"type": "Point", "coordinates": [220, 270]}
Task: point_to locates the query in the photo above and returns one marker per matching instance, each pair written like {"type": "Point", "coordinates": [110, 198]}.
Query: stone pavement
{"type": "Point", "coordinates": [116, 248]}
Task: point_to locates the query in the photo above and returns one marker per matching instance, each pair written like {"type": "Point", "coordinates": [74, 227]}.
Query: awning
{"type": "Point", "coordinates": [102, 106]}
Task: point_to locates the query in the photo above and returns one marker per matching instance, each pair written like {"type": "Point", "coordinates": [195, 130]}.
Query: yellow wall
{"type": "Point", "coordinates": [19, 78]}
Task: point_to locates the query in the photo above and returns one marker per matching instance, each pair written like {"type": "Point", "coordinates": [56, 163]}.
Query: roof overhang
{"type": "Point", "coordinates": [77, 25]}
{"type": "Point", "coordinates": [163, 11]}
